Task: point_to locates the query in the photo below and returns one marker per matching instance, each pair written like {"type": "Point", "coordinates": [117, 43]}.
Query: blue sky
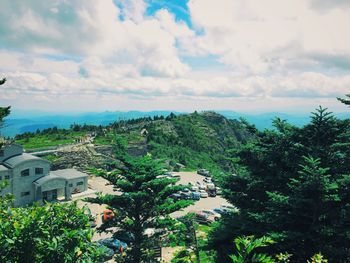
{"type": "Point", "coordinates": [184, 55]}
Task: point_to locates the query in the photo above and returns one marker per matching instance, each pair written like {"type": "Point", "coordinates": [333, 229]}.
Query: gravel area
{"type": "Point", "coordinates": [202, 204]}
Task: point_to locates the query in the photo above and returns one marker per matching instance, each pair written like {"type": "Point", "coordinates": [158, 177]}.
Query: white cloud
{"type": "Point", "coordinates": [63, 50]}
{"type": "Point", "coordinates": [93, 28]}
{"type": "Point", "coordinates": [255, 34]}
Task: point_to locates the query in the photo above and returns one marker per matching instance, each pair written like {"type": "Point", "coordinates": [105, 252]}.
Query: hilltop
{"type": "Point", "coordinates": [196, 140]}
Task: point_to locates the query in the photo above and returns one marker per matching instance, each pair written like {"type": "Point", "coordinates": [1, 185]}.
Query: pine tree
{"type": "Point", "coordinates": [292, 184]}
{"type": "Point", "coordinates": [346, 101]}
{"type": "Point", "coordinates": [144, 203]}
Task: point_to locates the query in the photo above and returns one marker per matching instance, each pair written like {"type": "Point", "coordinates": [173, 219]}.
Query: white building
{"type": "Point", "coordinates": [30, 179]}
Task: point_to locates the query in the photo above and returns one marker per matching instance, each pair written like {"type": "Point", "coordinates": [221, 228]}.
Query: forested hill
{"type": "Point", "coordinates": [197, 140]}
{"type": "Point", "coordinates": [194, 140]}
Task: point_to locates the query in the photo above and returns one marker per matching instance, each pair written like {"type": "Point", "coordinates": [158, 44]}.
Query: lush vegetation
{"type": "Point", "coordinates": [48, 233]}
{"type": "Point", "coordinates": [293, 185]}
{"type": "Point", "coordinates": [49, 137]}
{"type": "Point", "coordinates": [144, 203]}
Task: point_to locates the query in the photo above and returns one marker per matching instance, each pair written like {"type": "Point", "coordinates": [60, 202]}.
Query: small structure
{"type": "Point", "coordinates": [30, 179]}
{"type": "Point", "coordinates": [144, 132]}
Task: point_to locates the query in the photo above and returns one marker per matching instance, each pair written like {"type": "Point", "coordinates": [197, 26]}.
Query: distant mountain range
{"type": "Point", "coordinates": [29, 121]}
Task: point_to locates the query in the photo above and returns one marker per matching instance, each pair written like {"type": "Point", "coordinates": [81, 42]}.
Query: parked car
{"type": "Point", "coordinates": [175, 175]}
{"type": "Point", "coordinates": [115, 244]}
{"type": "Point", "coordinates": [211, 192]}
{"type": "Point", "coordinates": [176, 196]}
{"type": "Point", "coordinates": [203, 172]}
{"type": "Point", "coordinates": [219, 211]}
{"type": "Point", "coordinates": [203, 193]}
{"type": "Point", "coordinates": [195, 188]}
{"type": "Point", "coordinates": [201, 187]}
{"type": "Point", "coordinates": [229, 208]}
{"type": "Point", "coordinates": [203, 218]}
{"type": "Point", "coordinates": [218, 191]}
{"type": "Point", "coordinates": [186, 195]}
{"type": "Point", "coordinates": [216, 216]}
{"type": "Point", "coordinates": [196, 196]}
{"type": "Point", "coordinates": [107, 215]}
{"type": "Point", "coordinates": [207, 180]}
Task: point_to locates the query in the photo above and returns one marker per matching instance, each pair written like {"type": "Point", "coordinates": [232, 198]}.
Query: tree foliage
{"type": "Point", "coordinates": [143, 203]}
{"type": "Point", "coordinates": [50, 233]}
{"type": "Point", "coordinates": [346, 101]}
{"type": "Point", "coordinates": [293, 185]}
{"type": "Point", "coordinates": [245, 250]}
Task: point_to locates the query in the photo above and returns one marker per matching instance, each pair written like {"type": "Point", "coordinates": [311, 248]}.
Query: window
{"type": "Point", "coordinates": [25, 194]}
{"type": "Point", "coordinates": [80, 183]}
{"type": "Point", "coordinates": [39, 170]}
{"type": "Point", "coordinates": [7, 177]}
{"type": "Point", "coordinates": [1, 153]}
{"type": "Point", "coordinates": [70, 185]}
{"type": "Point", "coordinates": [25, 172]}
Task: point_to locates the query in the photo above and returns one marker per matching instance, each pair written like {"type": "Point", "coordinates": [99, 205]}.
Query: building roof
{"type": "Point", "coordinates": [47, 178]}
{"type": "Point", "coordinates": [3, 168]}
{"type": "Point", "coordinates": [69, 174]}
{"type": "Point", "coordinates": [14, 161]}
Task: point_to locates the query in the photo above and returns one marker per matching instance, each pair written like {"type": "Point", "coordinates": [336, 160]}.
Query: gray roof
{"type": "Point", "coordinates": [14, 161]}
{"type": "Point", "coordinates": [3, 168]}
{"type": "Point", "coordinates": [46, 178]}
{"type": "Point", "coordinates": [69, 174]}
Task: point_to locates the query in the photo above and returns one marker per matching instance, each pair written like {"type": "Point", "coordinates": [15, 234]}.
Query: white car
{"type": "Point", "coordinates": [207, 180]}
{"type": "Point", "coordinates": [218, 191]}
{"type": "Point", "coordinates": [202, 187]}
{"type": "Point", "coordinates": [203, 193]}
{"type": "Point", "coordinates": [194, 189]}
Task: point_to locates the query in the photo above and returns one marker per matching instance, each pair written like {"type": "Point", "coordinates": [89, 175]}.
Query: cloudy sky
{"type": "Point", "coordinates": [243, 55]}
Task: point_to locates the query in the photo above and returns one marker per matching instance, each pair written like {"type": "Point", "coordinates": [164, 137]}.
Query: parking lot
{"type": "Point", "coordinates": [208, 203]}
{"type": "Point", "coordinates": [99, 184]}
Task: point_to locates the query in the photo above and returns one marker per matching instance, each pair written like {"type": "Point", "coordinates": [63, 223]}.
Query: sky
{"type": "Point", "coordinates": [183, 55]}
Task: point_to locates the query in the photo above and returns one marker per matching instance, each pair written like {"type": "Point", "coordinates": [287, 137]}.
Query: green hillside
{"type": "Point", "coordinates": [189, 141]}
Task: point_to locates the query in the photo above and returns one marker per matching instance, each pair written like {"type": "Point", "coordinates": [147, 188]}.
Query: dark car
{"type": "Point", "coordinates": [186, 196]}
{"type": "Point", "coordinates": [220, 211]}
{"type": "Point", "coordinates": [203, 172]}
{"type": "Point", "coordinates": [196, 196]}
{"type": "Point", "coordinates": [176, 197]}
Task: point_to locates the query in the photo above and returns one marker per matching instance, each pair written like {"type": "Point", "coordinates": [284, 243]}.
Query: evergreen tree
{"type": "Point", "coordinates": [144, 203]}
{"type": "Point", "coordinates": [292, 184]}
{"type": "Point", "coordinates": [346, 101]}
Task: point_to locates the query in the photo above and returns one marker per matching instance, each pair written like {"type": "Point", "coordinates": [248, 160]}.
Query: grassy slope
{"type": "Point", "coordinates": [59, 137]}
{"type": "Point", "coordinates": [195, 140]}
{"type": "Point", "coordinates": [198, 140]}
